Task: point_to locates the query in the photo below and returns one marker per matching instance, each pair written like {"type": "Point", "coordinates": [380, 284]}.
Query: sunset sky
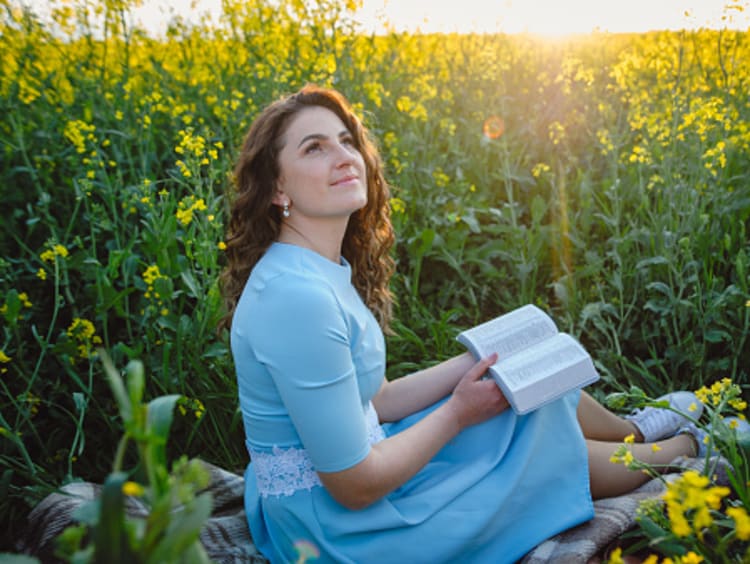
{"type": "Point", "coordinates": [553, 17]}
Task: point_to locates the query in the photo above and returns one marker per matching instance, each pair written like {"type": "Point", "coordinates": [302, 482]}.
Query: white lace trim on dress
{"type": "Point", "coordinates": [284, 471]}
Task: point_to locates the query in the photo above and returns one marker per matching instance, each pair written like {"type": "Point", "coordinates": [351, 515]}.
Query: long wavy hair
{"type": "Point", "coordinates": [255, 222]}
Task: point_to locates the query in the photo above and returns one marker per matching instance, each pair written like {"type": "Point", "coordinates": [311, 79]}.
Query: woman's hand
{"type": "Point", "coordinates": [475, 400]}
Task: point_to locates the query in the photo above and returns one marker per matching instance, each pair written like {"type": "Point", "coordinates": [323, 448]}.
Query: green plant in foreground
{"type": "Point", "coordinates": [696, 520]}
{"type": "Point", "coordinates": [175, 510]}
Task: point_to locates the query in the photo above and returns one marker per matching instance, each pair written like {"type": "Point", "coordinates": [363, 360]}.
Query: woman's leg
{"type": "Point", "coordinates": [608, 479]}
{"type": "Point", "coordinates": [600, 424]}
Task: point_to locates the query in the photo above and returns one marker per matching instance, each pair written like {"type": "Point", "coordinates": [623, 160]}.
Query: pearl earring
{"type": "Point", "coordinates": [285, 212]}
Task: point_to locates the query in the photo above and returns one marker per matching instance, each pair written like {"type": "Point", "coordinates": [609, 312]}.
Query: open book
{"type": "Point", "coordinates": [536, 363]}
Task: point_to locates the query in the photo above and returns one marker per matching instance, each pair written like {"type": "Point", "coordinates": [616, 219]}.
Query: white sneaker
{"type": "Point", "coordinates": [656, 423]}
{"type": "Point", "coordinates": [701, 436]}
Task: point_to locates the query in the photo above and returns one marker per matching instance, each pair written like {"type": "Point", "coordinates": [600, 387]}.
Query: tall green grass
{"type": "Point", "coordinates": [616, 196]}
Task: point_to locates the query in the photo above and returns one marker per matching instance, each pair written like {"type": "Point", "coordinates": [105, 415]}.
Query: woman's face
{"type": "Point", "coordinates": [322, 174]}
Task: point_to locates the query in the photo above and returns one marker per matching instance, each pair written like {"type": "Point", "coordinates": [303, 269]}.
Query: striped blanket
{"type": "Point", "coordinates": [227, 540]}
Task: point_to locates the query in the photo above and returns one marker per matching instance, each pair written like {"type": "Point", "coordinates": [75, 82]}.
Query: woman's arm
{"type": "Point", "coordinates": [404, 396]}
{"type": "Point", "coordinates": [396, 459]}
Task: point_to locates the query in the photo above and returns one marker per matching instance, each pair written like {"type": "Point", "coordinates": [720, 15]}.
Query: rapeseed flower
{"type": "Point", "coordinates": [83, 332]}
{"type": "Point", "coordinates": [722, 392]}
{"type": "Point", "coordinates": [78, 132]}
{"type": "Point", "coordinates": [186, 208]}
{"type": "Point", "coordinates": [691, 497]}
{"type": "Point", "coordinates": [56, 251]}
{"type": "Point", "coordinates": [741, 522]}
{"type": "Point", "coordinates": [151, 274]}
{"type": "Point", "coordinates": [185, 404]}
{"type": "Point", "coordinates": [133, 489]}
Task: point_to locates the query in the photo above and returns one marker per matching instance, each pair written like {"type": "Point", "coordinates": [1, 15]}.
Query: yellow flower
{"type": "Point", "coordinates": [397, 205]}
{"type": "Point", "coordinates": [81, 329]}
{"type": "Point", "coordinates": [616, 556]}
{"type": "Point", "coordinates": [677, 522]}
{"type": "Point", "coordinates": [133, 489]}
{"type": "Point", "coordinates": [630, 439]}
{"type": "Point", "coordinates": [186, 208]}
{"type": "Point", "coordinates": [741, 522]}
{"type": "Point", "coordinates": [24, 297]}
{"type": "Point", "coordinates": [222, 246]}
{"type": "Point", "coordinates": [50, 254]}
{"type": "Point", "coordinates": [738, 404]}
{"type": "Point", "coordinates": [655, 448]}
{"type": "Point", "coordinates": [151, 274]}
{"type": "Point", "coordinates": [691, 558]}
{"type": "Point", "coordinates": [41, 274]}
{"type": "Point", "coordinates": [4, 357]}
{"type": "Point", "coordinates": [540, 169]}
{"type": "Point", "coordinates": [691, 496]}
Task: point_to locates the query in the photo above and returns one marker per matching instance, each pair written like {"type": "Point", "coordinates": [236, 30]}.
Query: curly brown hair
{"type": "Point", "coordinates": [254, 222]}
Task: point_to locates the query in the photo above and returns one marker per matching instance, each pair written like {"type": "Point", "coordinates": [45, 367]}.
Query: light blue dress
{"type": "Point", "coordinates": [309, 357]}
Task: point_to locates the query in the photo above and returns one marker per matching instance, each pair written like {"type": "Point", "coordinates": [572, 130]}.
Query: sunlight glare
{"type": "Point", "coordinates": [548, 17]}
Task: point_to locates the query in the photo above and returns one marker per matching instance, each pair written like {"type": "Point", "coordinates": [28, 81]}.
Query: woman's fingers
{"type": "Point", "coordinates": [479, 369]}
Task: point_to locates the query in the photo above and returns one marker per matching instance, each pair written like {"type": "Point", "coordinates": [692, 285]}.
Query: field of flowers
{"type": "Point", "coordinates": [605, 178]}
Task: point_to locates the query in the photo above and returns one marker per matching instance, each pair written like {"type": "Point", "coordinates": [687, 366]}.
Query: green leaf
{"type": "Point", "coordinates": [421, 244]}
{"type": "Point", "coordinates": [135, 381]}
{"type": "Point", "coordinates": [538, 209]}
{"type": "Point", "coordinates": [651, 528]}
{"type": "Point", "coordinates": [12, 307]}
{"type": "Point", "coordinates": [7, 558]}
{"type": "Point", "coordinates": [118, 388]}
{"type": "Point", "coordinates": [651, 261]}
{"type": "Point", "coordinates": [192, 285]}
{"type": "Point", "coordinates": [717, 336]}
{"type": "Point", "coordinates": [163, 287]}
{"type": "Point", "coordinates": [183, 531]}
{"type": "Point", "coordinates": [110, 540]}
{"type": "Point", "coordinates": [215, 349]}
{"type": "Point", "coordinates": [159, 421]}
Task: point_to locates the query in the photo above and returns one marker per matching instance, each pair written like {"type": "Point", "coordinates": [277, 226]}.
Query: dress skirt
{"type": "Point", "coordinates": [489, 496]}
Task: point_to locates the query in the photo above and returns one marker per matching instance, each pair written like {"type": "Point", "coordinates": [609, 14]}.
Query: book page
{"type": "Point", "coordinates": [509, 333]}
{"type": "Point", "coordinates": [540, 361]}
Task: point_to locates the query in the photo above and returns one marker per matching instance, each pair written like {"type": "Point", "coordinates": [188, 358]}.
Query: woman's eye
{"type": "Point", "coordinates": [312, 147]}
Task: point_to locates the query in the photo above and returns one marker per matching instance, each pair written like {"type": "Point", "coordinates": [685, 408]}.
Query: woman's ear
{"type": "Point", "coordinates": [279, 198]}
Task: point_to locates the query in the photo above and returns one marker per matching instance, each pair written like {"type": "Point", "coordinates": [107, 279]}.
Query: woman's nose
{"type": "Point", "coordinates": [345, 154]}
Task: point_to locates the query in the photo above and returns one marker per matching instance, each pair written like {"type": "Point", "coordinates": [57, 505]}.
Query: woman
{"type": "Point", "coordinates": [430, 467]}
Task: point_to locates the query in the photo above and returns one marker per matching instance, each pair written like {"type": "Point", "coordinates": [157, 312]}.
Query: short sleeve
{"type": "Point", "coordinates": [305, 346]}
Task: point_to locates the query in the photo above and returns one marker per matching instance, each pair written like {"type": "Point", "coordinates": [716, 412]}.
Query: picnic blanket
{"type": "Point", "coordinates": [227, 539]}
